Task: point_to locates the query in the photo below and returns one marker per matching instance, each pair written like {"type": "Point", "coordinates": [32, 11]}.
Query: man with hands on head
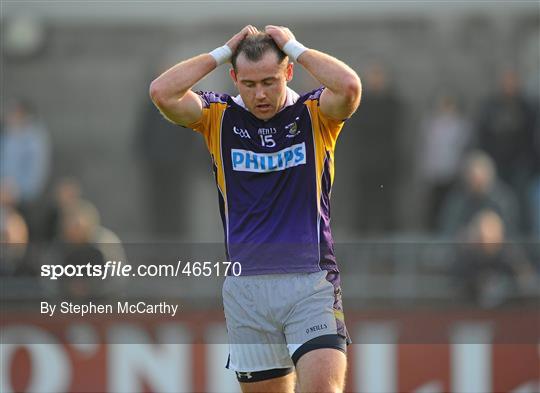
{"type": "Point", "coordinates": [272, 154]}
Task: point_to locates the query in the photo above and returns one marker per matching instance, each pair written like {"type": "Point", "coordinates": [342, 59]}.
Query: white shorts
{"type": "Point", "coordinates": [270, 316]}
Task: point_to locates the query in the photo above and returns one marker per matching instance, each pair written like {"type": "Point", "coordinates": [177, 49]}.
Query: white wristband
{"type": "Point", "coordinates": [294, 49]}
{"type": "Point", "coordinates": [222, 54]}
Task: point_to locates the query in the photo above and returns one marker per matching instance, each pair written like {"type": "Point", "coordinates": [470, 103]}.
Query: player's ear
{"type": "Point", "coordinates": [289, 71]}
{"type": "Point", "coordinates": [232, 73]}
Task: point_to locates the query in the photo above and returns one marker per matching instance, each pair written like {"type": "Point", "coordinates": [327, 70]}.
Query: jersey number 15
{"type": "Point", "coordinates": [267, 141]}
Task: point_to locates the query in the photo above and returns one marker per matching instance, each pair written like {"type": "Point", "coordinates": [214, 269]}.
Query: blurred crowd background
{"type": "Point", "coordinates": [437, 186]}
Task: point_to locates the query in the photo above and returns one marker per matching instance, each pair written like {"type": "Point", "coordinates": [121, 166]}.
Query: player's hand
{"type": "Point", "coordinates": [238, 37]}
{"type": "Point", "coordinates": [280, 34]}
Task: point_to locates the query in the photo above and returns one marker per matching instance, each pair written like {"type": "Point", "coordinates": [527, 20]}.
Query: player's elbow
{"type": "Point", "coordinates": [352, 89]}
{"type": "Point", "coordinates": [156, 93]}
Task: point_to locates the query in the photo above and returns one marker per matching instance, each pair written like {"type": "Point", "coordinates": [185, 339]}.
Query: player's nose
{"type": "Point", "coordinates": [259, 93]}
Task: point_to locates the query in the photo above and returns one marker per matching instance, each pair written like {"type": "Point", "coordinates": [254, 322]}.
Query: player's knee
{"type": "Point", "coordinates": [328, 381]}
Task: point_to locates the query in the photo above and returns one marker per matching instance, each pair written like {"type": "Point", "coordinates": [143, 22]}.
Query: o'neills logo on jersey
{"type": "Point", "coordinates": [248, 161]}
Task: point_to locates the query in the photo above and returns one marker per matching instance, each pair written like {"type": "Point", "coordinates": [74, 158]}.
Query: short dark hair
{"type": "Point", "coordinates": [254, 46]}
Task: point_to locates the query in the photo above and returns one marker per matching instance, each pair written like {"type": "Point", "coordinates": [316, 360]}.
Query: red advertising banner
{"type": "Point", "coordinates": [451, 351]}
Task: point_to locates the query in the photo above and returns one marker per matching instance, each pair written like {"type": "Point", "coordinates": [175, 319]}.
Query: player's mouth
{"type": "Point", "coordinates": [264, 107]}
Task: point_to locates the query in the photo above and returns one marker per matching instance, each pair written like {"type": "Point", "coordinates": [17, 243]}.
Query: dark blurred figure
{"type": "Point", "coordinates": [165, 150]}
{"type": "Point", "coordinates": [506, 132]}
{"type": "Point", "coordinates": [83, 240]}
{"type": "Point", "coordinates": [446, 135]}
{"type": "Point", "coordinates": [377, 156]}
{"type": "Point", "coordinates": [479, 189]}
{"type": "Point", "coordinates": [66, 196]}
{"type": "Point", "coordinates": [534, 195]}
{"type": "Point", "coordinates": [79, 225]}
{"type": "Point", "coordinates": [534, 201]}
{"type": "Point", "coordinates": [489, 270]}
{"type": "Point", "coordinates": [534, 188]}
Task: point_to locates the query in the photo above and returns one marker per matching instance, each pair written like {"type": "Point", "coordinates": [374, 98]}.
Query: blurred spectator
{"type": "Point", "coordinates": [8, 196]}
{"type": "Point", "coordinates": [24, 152]}
{"type": "Point", "coordinates": [506, 133]}
{"type": "Point", "coordinates": [446, 134]}
{"type": "Point", "coordinates": [376, 126]}
{"type": "Point", "coordinates": [83, 241]}
{"type": "Point", "coordinates": [535, 203]}
{"type": "Point", "coordinates": [79, 225]}
{"type": "Point", "coordinates": [13, 242]}
{"type": "Point", "coordinates": [165, 151]}
{"type": "Point", "coordinates": [489, 270]}
{"type": "Point", "coordinates": [478, 190]}
{"type": "Point", "coordinates": [534, 190]}
{"type": "Point", "coordinates": [67, 195]}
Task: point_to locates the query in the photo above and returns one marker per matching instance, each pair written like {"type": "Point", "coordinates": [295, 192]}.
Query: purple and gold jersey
{"type": "Point", "coordinates": [274, 179]}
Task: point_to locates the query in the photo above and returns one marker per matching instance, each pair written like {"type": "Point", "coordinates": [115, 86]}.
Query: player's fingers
{"type": "Point", "coordinates": [246, 30]}
{"type": "Point", "coordinates": [241, 34]}
{"type": "Point", "coordinates": [285, 29]}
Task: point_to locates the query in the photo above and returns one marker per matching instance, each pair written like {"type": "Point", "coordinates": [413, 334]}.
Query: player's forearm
{"type": "Point", "coordinates": [174, 83]}
{"type": "Point", "coordinates": [331, 73]}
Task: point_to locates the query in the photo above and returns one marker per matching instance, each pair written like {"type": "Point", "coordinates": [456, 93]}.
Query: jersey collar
{"type": "Point", "coordinates": [290, 99]}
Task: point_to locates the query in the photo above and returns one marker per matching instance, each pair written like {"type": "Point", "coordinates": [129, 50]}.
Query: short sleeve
{"type": "Point", "coordinates": [213, 106]}
{"type": "Point", "coordinates": [329, 128]}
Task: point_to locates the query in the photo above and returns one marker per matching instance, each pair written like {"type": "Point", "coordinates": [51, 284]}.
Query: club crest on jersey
{"type": "Point", "coordinates": [249, 161]}
{"type": "Point", "coordinates": [242, 132]}
{"type": "Point", "coordinates": [292, 129]}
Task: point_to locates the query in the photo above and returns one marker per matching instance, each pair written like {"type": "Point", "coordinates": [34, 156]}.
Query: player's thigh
{"type": "Point", "coordinates": [322, 370]}
{"type": "Point", "coordinates": [284, 384]}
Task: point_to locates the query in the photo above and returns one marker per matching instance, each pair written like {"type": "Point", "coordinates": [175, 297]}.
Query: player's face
{"type": "Point", "coordinates": [262, 84]}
